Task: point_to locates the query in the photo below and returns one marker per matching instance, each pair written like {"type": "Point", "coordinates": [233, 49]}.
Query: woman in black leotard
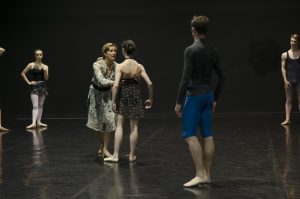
{"type": "Point", "coordinates": [39, 75]}
{"type": "Point", "coordinates": [290, 67]}
{"type": "Point", "coordinates": [2, 50]}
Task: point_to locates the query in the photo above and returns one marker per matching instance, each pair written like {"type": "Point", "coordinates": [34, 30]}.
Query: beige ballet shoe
{"type": "Point", "coordinates": [286, 122]}
{"type": "Point", "coordinates": [195, 181]}
{"type": "Point", "coordinates": [3, 129]}
{"type": "Point", "coordinates": [42, 124]}
{"type": "Point", "coordinates": [111, 159]}
{"type": "Point", "coordinates": [31, 126]}
{"type": "Point", "coordinates": [132, 158]}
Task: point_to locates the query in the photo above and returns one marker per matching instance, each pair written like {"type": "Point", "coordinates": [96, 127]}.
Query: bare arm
{"type": "Point", "coordinates": [149, 83]}
{"type": "Point", "coordinates": [24, 72]}
{"type": "Point", "coordinates": [46, 72]}
{"type": "Point", "coordinates": [283, 67]}
{"type": "Point", "coordinates": [116, 86]}
{"type": "Point", "coordinates": [100, 77]}
{"type": "Point", "coordinates": [2, 50]}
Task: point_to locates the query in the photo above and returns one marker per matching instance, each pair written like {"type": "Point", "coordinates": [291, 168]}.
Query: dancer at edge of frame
{"type": "Point", "coordinates": [2, 50]}
{"type": "Point", "coordinates": [290, 67]}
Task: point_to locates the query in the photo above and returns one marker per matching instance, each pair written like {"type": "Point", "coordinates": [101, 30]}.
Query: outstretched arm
{"type": "Point", "coordinates": [149, 101]}
{"type": "Point", "coordinates": [100, 77]}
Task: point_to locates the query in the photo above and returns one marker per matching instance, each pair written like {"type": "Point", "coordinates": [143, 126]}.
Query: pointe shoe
{"type": "Point", "coordinates": [3, 129]}
{"type": "Point", "coordinates": [111, 159]}
{"type": "Point", "coordinates": [195, 181]}
{"type": "Point", "coordinates": [31, 126]}
{"type": "Point", "coordinates": [132, 159]}
{"type": "Point", "coordinates": [42, 124]}
{"type": "Point", "coordinates": [286, 122]}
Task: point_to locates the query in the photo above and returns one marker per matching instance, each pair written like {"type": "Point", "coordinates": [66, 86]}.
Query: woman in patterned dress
{"type": "Point", "coordinates": [129, 104]}
{"type": "Point", "coordinates": [101, 118]}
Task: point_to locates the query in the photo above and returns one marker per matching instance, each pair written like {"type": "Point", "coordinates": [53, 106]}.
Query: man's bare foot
{"type": "Point", "coordinates": [31, 126]}
{"type": "Point", "coordinates": [286, 122]}
{"type": "Point", "coordinates": [3, 129]}
{"type": "Point", "coordinates": [42, 124]}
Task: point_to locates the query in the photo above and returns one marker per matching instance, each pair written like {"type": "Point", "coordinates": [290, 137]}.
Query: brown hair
{"type": "Point", "coordinates": [200, 23]}
{"type": "Point", "coordinates": [295, 36]}
{"type": "Point", "coordinates": [37, 50]}
{"type": "Point", "coordinates": [106, 47]}
{"type": "Point", "coordinates": [129, 46]}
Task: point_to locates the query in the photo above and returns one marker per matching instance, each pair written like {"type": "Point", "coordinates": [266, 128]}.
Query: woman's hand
{"type": "Point", "coordinates": [114, 107]}
{"type": "Point", "coordinates": [32, 83]}
{"type": "Point", "coordinates": [287, 84]}
{"type": "Point", "coordinates": [148, 104]}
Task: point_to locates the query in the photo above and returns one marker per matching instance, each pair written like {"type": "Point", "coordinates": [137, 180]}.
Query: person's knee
{"type": "Point", "coordinates": [190, 139]}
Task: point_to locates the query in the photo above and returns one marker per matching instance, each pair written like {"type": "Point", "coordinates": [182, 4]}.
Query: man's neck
{"type": "Point", "coordinates": [199, 37]}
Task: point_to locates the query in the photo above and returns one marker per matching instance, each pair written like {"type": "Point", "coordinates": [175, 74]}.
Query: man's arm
{"type": "Point", "coordinates": [186, 76]}
{"type": "Point", "coordinates": [185, 80]}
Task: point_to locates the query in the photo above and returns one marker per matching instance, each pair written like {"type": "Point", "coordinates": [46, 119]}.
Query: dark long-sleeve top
{"type": "Point", "coordinates": [201, 59]}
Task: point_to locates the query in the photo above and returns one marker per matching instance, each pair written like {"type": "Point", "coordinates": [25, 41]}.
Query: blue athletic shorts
{"type": "Point", "coordinates": [197, 112]}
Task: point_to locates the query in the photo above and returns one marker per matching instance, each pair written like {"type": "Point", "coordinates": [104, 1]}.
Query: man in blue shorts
{"type": "Point", "coordinates": [196, 99]}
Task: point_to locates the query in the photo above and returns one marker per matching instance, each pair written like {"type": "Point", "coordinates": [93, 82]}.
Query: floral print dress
{"type": "Point", "coordinates": [101, 118]}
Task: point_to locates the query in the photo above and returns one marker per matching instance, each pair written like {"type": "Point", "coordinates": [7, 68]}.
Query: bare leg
{"type": "Point", "coordinates": [35, 104]}
{"type": "Point", "coordinates": [1, 127]}
{"type": "Point", "coordinates": [288, 104]}
{"type": "Point", "coordinates": [106, 139]}
{"type": "Point", "coordinates": [196, 152]}
{"type": "Point", "coordinates": [208, 153]}
{"type": "Point", "coordinates": [118, 140]}
{"type": "Point", "coordinates": [40, 111]}
{"type": "Point", "coordinates": [133, 139]}
{"type": "Point", "coordinates": [100, 151]}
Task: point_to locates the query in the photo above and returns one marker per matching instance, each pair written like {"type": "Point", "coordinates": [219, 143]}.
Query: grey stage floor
{"type": "Point", "coordinates": [255, 158]}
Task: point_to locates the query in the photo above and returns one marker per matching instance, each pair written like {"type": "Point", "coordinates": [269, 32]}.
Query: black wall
{"type": "Point", "coordinates": [249, 35]}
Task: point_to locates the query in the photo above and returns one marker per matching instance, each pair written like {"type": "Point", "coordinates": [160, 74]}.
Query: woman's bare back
{"type": "Point", "coordinates": [129, 68]}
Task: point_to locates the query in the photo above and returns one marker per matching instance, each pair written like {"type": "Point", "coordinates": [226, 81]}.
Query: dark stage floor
{"type": "Point", "coordinates": [255, 158]}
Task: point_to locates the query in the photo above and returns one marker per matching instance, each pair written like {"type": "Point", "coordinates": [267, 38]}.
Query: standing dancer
{"type": "Point", "coordinates": [129, 104]}
{"type": "Point", "coordinates": [39, 73]}
{"type": "Point", "coordinates": [2, 50]}
{"type": "Point", "coordinates": [290, 67]}
{"type": "Point", "coordinates": [200, 60]}
{"type": "Point", "coordinates": [101, 118]}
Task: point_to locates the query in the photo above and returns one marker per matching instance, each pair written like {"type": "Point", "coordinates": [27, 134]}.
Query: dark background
{"type": "Point", "coordinates": [250, 35]}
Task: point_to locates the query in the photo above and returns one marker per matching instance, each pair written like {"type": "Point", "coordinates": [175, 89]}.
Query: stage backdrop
{"type": "Point", "coordinates": [250, 37]}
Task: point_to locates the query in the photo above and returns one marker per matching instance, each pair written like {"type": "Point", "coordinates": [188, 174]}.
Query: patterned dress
{"type": "Point", "coordinates": [130, 102]}
{"type": "Point", "coordinates": [101, 118]}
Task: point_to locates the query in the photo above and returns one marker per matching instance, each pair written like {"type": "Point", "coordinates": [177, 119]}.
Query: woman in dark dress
{"type": "Point", "coordinates": [129, 103]}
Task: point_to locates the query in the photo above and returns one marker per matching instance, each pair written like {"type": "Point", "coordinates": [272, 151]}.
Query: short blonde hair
{"type": "Point", "coordinates": [106, 47]}
{"type": "Point", "coordinates": [200, 23]}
